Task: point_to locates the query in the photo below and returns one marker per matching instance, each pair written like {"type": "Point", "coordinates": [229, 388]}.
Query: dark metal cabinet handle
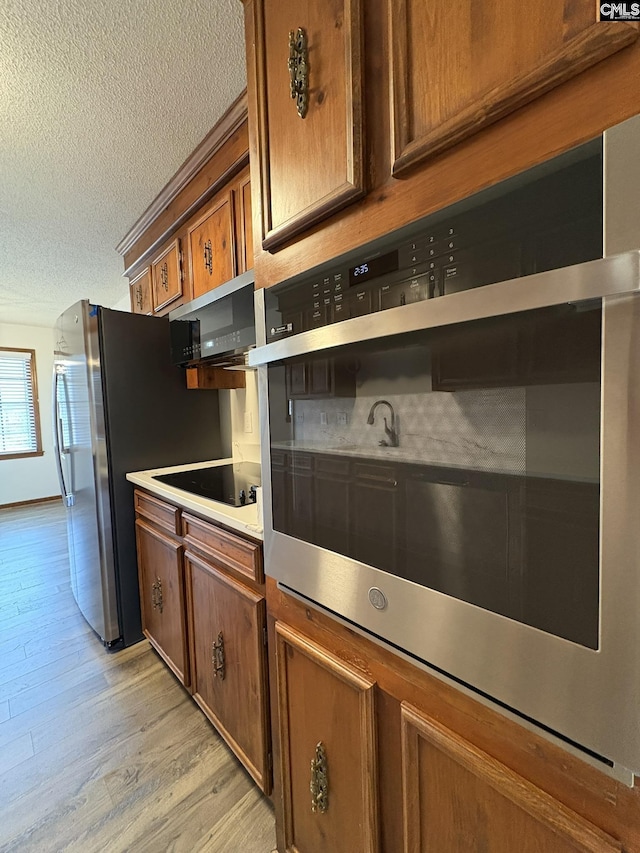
{"type": "Point", "coordinates": [319, 785]}
{"type": "Point", "coordinates": [217, 657]}
{"type": "Point", "coordinates": [208, 256]}
{"type": "Point", "coordinates": [156, 595]}
{"type": "Point", "coordinates": [299, 70]}
{"type": "Point", "coordinates": [164, 276]}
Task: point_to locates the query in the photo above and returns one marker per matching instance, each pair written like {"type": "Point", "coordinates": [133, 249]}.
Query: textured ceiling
{"type": "Point", "coordinates": [100, 103]}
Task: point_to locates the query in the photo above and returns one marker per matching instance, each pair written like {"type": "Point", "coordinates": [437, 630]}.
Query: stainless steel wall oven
{"type": "Point", "coordinates": [451, 442]}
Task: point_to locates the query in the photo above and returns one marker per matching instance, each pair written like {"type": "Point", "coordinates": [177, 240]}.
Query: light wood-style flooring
{"type": "Point", "coordinates": [101, 752]}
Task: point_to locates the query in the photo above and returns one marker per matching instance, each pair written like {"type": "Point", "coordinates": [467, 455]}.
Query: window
{"type": "Point", "coordinates": [19, 417]}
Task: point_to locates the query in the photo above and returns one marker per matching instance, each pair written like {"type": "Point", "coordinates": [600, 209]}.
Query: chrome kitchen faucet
{"type": "Point", "coordinates": [390, 430]}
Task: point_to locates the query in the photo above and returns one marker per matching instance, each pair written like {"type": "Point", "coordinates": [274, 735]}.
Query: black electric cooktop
{"type": "Point", "coordinates": [233, 484]}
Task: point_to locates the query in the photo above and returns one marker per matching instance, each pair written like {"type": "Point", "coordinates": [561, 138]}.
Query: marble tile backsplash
{"type": "Point", "coordinates": [484, 428]}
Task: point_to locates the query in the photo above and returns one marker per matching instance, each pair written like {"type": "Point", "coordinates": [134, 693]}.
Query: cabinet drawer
{"type": "Point", "coordinates": [163, 514]}
{"type": "Point", "coordinates": [384, 475]}
{"type": "Point", "coordinates": [224, 548]}
{"type": "Point", "coordinates": [280, 458]}
{"type": "Point", "coordinates": [335, 466]}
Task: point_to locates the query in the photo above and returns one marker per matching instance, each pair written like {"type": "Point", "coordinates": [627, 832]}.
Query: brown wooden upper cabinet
{"type": "Point", "coordinates": [221, 237]}
{"type": "Point", "coordinates": [167, 276]}
{"type": "Point", "coordinates": [212, 245]}
{"type": "Point", "coordinates": [141, 292]}
{"type": "Point", "coordinates": [455, 69]}
{"type": "Point", "coordinates": [431, 75]}
{"type": "Point", "coordinates": [310, 111]}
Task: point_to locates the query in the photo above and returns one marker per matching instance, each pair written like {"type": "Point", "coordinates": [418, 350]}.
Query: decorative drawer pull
{"type": "Point", "coordinates": [319, 786]}
{"type": "Point", "coordinates": [139, 296]}
{"type": "Point", "coordinates": [156, 594]}
{"type": "Point", "coordinates": [208, 256]}
{"type": "Point", "coordinates": [217, 657]}
{"type": "Point", "coordinates": [370, 478]}
{"type": "Point", "coordinates": [299, 70]}
{"type": "Point", "coordinates": [164, 276]}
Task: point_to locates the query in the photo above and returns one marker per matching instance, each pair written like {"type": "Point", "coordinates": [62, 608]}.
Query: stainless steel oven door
{"type": "Point", "coordinates": [589, 694]}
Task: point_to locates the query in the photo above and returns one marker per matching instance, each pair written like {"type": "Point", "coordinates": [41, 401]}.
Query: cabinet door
{"type": "Point", "coordinates": [243, 222]}
{"type": "Point", "coordinates": [331, 503]}
{"type": "Point", "coordinates": [310, 166]}
{"type": "Point", "coordinates": [309, 379]}
{"type": "Point", "coordinates": [167, 276]}
{"type": "Point", "coordinates": [300, 493]}
{"type": "Point", "coordinates": [328, 749]}
{"type": "Point", "coordinates": [227, 630]}
{"type": "Point", "coordinates": [319, 377]}
{"type": "Point", "coordinates": [212, 245]}
{"type": "Point", "coordinates": [564, 347]}
{"type": "Point", "coordinates": [296, 379]}
{"type": "Point", "coordinates": [561, 558]}
{"type": "Point", "coordinates": [280, 487]}
{"type": "Point", "coordinates": [161, 576]}
{"type": "Point", "coordinates": [459, 799]}
{"type": "Point", "coordinates": [457, 68]}
{"type": "Point", "coordinates": [140, 293]}
{"type": "Point", "coordinates": [485, 355]}
{"type": "Point", "coordinates": [375, 512]}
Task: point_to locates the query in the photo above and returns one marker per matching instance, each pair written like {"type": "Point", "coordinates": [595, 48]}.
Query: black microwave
{"type": "Point", "coordinates": [218, 327]}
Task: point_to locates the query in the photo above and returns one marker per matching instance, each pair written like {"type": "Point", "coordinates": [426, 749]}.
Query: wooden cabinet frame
{"type": "Point", "coordinates": [582, 47]}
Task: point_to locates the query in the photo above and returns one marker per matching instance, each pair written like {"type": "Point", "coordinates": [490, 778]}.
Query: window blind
{"type": "Point", "coordinates": [19, 427]}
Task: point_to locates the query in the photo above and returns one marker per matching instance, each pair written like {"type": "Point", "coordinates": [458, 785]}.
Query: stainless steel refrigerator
{"type": "Point", "coordinates": [119, 406]}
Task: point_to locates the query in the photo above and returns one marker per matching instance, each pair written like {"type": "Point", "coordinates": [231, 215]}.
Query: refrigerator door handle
{"type": "Point", "coordinates": [58, 437]}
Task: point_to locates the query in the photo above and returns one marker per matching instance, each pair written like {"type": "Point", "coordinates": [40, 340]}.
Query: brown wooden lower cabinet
{"type": "Point", "coordinates": [228, 661]}
{"type": "Point", "coordinates": [204, 612]}
{"type": "Point", "coordinates": [459, 799]}
{"type": "Point", "coordinates": [328, 749]}
{"type": "Point", "coordinates": [416, 765]}
{"type": "Point", "coordinates": [161, 577]}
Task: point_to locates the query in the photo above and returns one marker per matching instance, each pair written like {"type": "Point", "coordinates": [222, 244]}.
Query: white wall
{"type": "Point", "coordinates": [239, 420]}
{"type": "Point", "coordinates": [34, 477]}
{"type": "Point", "coordinates": [123, 304]}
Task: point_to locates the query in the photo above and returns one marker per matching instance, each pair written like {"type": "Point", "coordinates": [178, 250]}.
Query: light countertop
{"type": "Point", "coordinates": [245, 519]}
{"type": "Point", "coordinates": [413, 457]}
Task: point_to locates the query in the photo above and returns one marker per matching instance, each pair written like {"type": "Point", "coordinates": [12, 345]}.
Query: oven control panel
{"type": "Point", "coordinates": [421, 268]}
{"type": "Point", "coordinates": [539, 220]}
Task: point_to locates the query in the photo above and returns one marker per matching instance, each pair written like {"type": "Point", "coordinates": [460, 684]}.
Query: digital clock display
{"type": "Point", "coordinates": [373, 268]}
